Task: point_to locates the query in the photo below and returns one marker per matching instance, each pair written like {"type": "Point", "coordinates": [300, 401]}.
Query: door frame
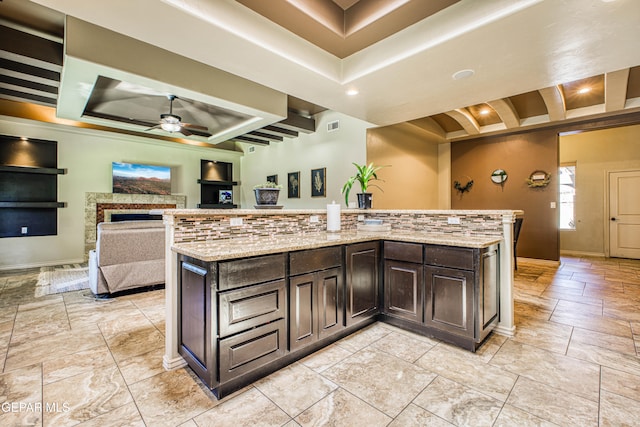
{"type": "Point", "coordinates": [607, 206]}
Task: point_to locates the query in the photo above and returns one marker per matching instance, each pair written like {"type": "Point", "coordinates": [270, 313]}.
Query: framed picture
{"type": "Point", "coordinates": [272, 178]}
{"type": "Point", "coordinates": [318, 182]}
{"type": "Point", "coordinates": [293, 185]}
{"type": "Point", "coordinates": [225, 197]}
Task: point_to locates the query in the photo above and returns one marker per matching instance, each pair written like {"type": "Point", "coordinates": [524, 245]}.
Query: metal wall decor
{"type": "Point", "coordinates": [538, 179]}
{"type": "Point", "coordinates": [499, 176]}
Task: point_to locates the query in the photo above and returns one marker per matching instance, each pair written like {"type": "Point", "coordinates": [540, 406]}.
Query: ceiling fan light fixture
{"type": "Point", "coordinates": [171, 127]}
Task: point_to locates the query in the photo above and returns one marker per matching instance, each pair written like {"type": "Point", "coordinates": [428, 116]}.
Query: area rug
{"type": "Point", "coordinates": [63, 278]}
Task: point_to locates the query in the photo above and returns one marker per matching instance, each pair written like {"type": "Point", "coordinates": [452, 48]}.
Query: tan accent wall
{"type": "Point", "coordinates": [519, 155]}
{"type": "Point", "coordinates": [596, 153]}
{"type": "Point", "coordinates": [411, 182]}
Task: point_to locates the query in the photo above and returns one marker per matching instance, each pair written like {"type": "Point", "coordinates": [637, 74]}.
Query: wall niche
{"type": "Point", "coordinates": [29, 187]}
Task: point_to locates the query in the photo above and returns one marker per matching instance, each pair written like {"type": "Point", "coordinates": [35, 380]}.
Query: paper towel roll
{"type": "Point", "coordinates": [333, 217]}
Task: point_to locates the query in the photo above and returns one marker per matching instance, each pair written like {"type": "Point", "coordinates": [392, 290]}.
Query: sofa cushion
{"type": "Point", "coordinates": [129, 241]}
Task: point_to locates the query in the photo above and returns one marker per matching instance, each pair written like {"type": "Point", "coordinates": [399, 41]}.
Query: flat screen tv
{"type": "Point", "coordinates": [131, 178]}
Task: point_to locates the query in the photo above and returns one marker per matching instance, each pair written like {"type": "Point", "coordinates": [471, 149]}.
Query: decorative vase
{"type": "Point", "coordinates": [266, 196]}
{"type": "Point", "coordinates": [364, 200]}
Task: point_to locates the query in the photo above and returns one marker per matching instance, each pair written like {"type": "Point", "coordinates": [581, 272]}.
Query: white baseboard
{"type": "Point", "coordinates": [42, 264]}
{"type": "Point", "coordinates": [581, 254]}
{"type": "Point", "coordinates": [171, 364]}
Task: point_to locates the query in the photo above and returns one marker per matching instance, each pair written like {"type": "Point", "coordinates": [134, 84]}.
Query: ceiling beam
{"type": "Point", "coordinates": [250, 140]}
{"type": "Point", "coordinates": [615, 90]}
{"type": "Point", "coordinates": [506, 111]}
{"type": "Point", "coordinates": [279, 131]}
{"type": "Point", "coordinates": [298, 123]}
{"type": "Point", "coordinates": [265, 136]}
{"type": "Point", "coordinates": [554, 101]}
{"type": "Point", "coordinates": [466, 120]}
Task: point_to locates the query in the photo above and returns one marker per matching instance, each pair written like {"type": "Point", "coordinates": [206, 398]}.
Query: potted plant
{"type": "Point", "coordinates": [365, 174]}
{"type": "Point", "coordinates": [267, 193]}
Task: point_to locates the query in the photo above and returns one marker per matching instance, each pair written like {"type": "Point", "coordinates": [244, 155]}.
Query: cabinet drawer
{"type": "Point", "coordinates": [446, 256]}
{"type": "Point", "coordinates": [314, 260]}
{"type": "Point", "coordinates": [245, 308]}
{"type": "Point", "coordinates": [399, 251]}
{"type": "Point", "coordinates": [243, 272]}
{"type": "Point", "coordinates": [249, 350]}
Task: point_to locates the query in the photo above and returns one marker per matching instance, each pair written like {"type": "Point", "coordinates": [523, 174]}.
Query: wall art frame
{"type": "Point", "coordinates": [319, 182]}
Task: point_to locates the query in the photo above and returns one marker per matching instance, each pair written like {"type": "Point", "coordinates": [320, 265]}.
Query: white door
{"type": "Point", "coordinates": [624, 214]}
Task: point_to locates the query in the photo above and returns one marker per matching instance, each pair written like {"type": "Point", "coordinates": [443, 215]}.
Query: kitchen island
{"type": "Point", "coordinates": [240, 307]}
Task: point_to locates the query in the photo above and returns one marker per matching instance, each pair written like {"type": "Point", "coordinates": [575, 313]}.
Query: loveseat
{"type": "Point", "coordinates": [128, 254]}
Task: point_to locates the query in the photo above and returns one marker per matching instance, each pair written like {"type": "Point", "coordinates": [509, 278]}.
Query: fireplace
{"type": "Point", "coordinates": [99, 207]}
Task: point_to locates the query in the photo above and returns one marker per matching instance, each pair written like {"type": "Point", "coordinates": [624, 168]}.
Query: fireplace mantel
{"type": "Point", "coordinates": [98, 207]}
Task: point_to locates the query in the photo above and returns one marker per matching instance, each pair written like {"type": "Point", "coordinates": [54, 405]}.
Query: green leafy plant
{"type": "Point", "coordinates": [268, 184]}
{"type": "Point", "coordinates": [366, 173]}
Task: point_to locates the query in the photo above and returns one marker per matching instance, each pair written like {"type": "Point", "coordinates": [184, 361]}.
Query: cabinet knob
{"type": "Point", "coordinates": [613, 219]}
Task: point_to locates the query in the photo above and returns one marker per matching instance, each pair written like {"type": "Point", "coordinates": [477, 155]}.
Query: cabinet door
{"type": "Point", "coordinates": [489, 293]}
{"type": "Point", "coordinates": [330, 305]}
{"type": "Point", "coordinates": [362, 281]}
{"type": "Point", "coordinates": [302, 311]}
{"type": "Point", "coordinates": [449, 300]}
{"type": "Point", "coordinates": [195, 320]}
{"type": "Point", "coordinates": [403, 289]}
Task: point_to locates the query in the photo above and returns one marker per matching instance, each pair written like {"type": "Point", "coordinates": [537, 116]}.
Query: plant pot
{"type": "Point", "coordinates": [266, 196]}
{"type": "Point", "coordinates": [364, 200]}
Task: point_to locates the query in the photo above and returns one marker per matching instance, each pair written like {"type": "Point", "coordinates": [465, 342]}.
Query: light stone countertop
{"type": "Point", "coordinates": [223, 249]}
{"type": "Point", "coordinates": [237, 212]}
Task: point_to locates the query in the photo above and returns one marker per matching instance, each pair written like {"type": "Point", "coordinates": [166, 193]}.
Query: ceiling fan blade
{"type": "Point", "coordinates": [193, 126]}
{"type": "Point", "coordinates": [185, 132]}
{"type": "Point", "coordinates": [152, 128]}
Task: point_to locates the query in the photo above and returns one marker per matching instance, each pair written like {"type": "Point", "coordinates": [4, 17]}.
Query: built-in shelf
{"type": "Point", "coordinates": [33, 205]}
{"type": "Point", "coordinates": [32, 169]}
{"type": "Point", "coordinates": [204, 181]}
{"type": "Point", "coordinates": [216, 206]}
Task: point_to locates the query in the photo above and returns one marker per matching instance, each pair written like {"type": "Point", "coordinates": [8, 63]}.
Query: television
{"type": "Point", "coordinates": [132, 178]}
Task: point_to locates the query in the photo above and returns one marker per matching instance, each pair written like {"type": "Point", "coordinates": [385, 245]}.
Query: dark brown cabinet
{"type": "Point", "coordinates": [362, 281]}
{"type": "Point", "coordinates": [461, 293]}
{"type": "Point", "coordinates": [403, 281]}
{"type": "Point", "coordinates": [316, 296]}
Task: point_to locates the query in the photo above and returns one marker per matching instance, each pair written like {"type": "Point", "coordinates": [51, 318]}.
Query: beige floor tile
{"type": "Point", "coordinates": [559, 371]}
{"type": "Point", "coordinates": [542, 334]}
{"type": "Point", "coordinates": [541, 303]}
{"type": "Point", "coordinates": [86, 396]}
{"type": "Point", "coordinates": [143, 366]}
{"type": "Point", "coordinates": [40, 321]}
{"type": "Point", "coordinates": [621, 383]}
{"type": "Point", "coordinates": [605, 357]}
{"type": "Point", "coordinates": [125, 416]}
{"type": "Point", "coordinates": [464, 368]}
{"type": "Point", "coordinates": [171, 398]}
{"type": "Point", "coordinates": [612, 342]}
{"type": "Point", "coordinates": [77, 363]}
{"type": "Point", "coordinates": [618, 410]}
{"type": "Point", "coordinates": [293, 400]}
{"type": "Point", "coordinates": [403, 346]}
{"type": "Point", "coordinates": [394, 384]}
{"type": "Point", "coordinates": [112, 328]}
{"type": "Point", "coordinates": [189, 423]}
{"type": "Point", "coordinates": [490, 347]}
{"type": "Point", "coordinates": [363, 338]}
{"type": "Point", "coordinates": [341, 408]}
{"type": "Point", "coordinates": [325, 358]}
{"type": "Point", "coordinates": [458, 404]}
{"type": "Point", "coordinates": [607, 325]}
{"type": "Point", "coordinates": [135, 342]}
{"type": "Point", "coordinates": [50, 347]}
{"type": "Point", "coordinates": [8, 313]}
{"type": "Point", "coordinates": [250, 408]}
{"type": "Point", "coordinates": [554, 405]}
{"type": "Point", "coordinates": [21, 386]}
{"type": "Point", "coordinates": [511, 416]}
{"type": "Point", "coordinates": [415, 416]}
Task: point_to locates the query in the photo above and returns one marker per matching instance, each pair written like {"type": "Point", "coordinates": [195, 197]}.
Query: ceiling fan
{"type": "Point", "coordinates": [170, 122]}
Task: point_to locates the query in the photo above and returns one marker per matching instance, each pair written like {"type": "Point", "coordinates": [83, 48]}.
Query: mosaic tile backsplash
{"type": "Point", "coordinates": [199, 227]}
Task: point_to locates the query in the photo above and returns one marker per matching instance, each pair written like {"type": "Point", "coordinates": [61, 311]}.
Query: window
{"type": "Point", "coordinates": [567, 174]}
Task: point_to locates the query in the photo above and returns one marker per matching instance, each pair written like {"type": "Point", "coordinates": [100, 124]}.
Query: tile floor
{"type": "Point", "coordinates": [71, 360]}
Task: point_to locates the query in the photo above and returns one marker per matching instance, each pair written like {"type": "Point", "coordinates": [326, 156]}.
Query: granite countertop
{"type": "Point", "coordinates": [237, 212]}
{"type": "Point", "coordinates": [217, 250]}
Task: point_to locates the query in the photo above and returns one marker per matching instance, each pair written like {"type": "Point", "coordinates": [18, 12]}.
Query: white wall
{"type": "Point", "coordinates": [87, 155]}
{"type": "Point", "coordinates": [595, 153]}
{"type": "Point", "coordinates": [334, 151]}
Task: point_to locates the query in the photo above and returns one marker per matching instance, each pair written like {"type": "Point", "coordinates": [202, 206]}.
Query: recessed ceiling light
{"type": "Point", "coordinates": [352, 92]}
{"type": "Point", "coordinates": [484, 111]}
{"type": "Point", "coordinates": [463, 74]}
{"type": "Point", "coordinates": [584, 90]}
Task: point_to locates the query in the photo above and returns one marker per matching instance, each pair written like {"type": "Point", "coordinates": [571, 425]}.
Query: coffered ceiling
{"type": "Point", "coordinates": [531, 61]}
